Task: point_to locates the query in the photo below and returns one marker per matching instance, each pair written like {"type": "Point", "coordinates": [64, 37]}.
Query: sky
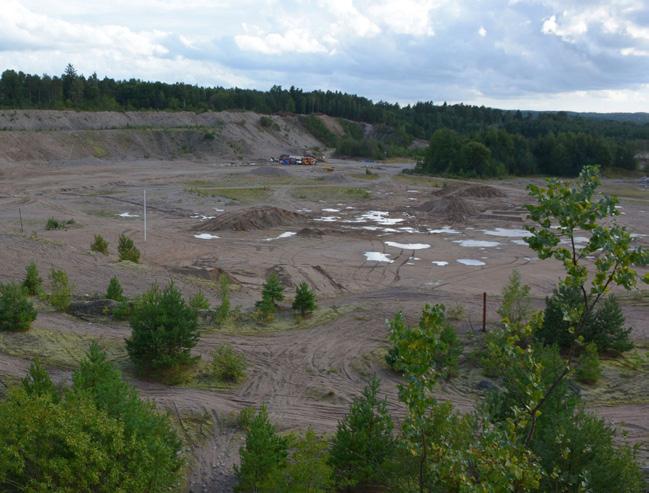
{"type": "Point", "coordinates": [577, 55]}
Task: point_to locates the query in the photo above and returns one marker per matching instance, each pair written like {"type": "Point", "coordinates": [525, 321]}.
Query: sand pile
{"type": "Point", "coordinates": [452, 208]}
{"type": "Point", "coordinates": [251, 219]}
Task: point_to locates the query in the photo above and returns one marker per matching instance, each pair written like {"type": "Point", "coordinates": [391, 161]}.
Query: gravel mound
{"type": "Point", "coordinates": [269, 171]}
{"type": "Point", "coordinates": [480, 192]}
{"type": "Point", "coordinates": [251, 219]}
{"type": "Point", "coordinates": [452, 208]}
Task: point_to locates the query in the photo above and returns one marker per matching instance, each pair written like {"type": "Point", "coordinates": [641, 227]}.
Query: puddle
{"type": "Point", "coordinates": [470, 261]}
{"type": "Point", "coordinates": [128, 214]}
{"type": "Point", "coordinates": [303, 210]}
{"type": "Point", "coordinates": [328, 219]}
{"type": "Point", "coordinates": [379, 217]}
{"type": "Point", "coordinates": [508, 233]}
{"type": "Point", "coordinates": [205, 236]}
{"type": "Point", "coordinates": [330, 210]}
{"type": "Point", "coordinates": [288, 234]}
{"type": "Point", "coordinates": [202, 217]}
{"type": "Point", "coordinates": [477, 243]}
{"type": "Point", "coordinates": [520, 242]}
{"type": "Point", "coordinates": [412, 191]}
{"type": "Point", "coordinates": [408, 229]}
{"type": "Point", "coordinates": [440, 263]}
{"type": "Point", "coordinates": [408, 246]}
{"type": "Point", "coordinates": [218, 210]}
{"type": "Point", "coordinates": [445, 230]}
{"type": "Point", "coordinates": [412, 198]}
{"type": "Point", "coordinates": [378, 257]}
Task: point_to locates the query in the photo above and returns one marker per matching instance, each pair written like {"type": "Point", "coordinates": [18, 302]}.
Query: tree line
{"type": "Point", "coordinates": [520, 142]}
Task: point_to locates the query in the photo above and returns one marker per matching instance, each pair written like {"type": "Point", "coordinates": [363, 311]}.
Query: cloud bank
{"type": "Point", "coordinates": [588, 55]}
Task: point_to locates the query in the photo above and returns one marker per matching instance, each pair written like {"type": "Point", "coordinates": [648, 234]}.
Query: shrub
{"type": "Point", "coordinates": [96, 436]}
{"type": "Point", "coordinates": [455, 312]}
{"type": "Point", "coordinates": [53, 223]}
{"type": "Point", "coordinates": [99, 245]}
{"type": "Point", "coordinates": [61, 295]}
{"type": "Point", "coordinates": [127, 250]}
{"type": "Point", "coordinates": [16, 310]}
{"type": "Point", "coordinates": [316, 127]}
{"type": "Point", "coordinates": [433, 338]}
{"type": "Point", "coordinates": [516, 305]}
{"type": "Point", "coordinates": [266, 122]}
{"type": "Point", "coordinates": [604, 327]}
{"type": "Point", "coordinates": [228, 365]}
{"type": "Point", "coordinates": [114, 290]}
{"type": "Point", "coordinates": [306, 469]}
{"type": "Point", "coordinates": [33, 282]}
{"type": "Point", "coordinates": [199, 302]}
{"type": "Point", "coordinates": [588, 369]}
{"type": "Point", "coordinates": [123, 310]}
{"type": "Point", "coordinates": [262, 455]}
{"type": "Point", "coordinates": [304, 301]}
{"type": "Point", "coordinates": [164, 330]}
{"type": "Point", "coordinates": [363, 444]}
{"type": "Point", "coordinates": [223, 311]}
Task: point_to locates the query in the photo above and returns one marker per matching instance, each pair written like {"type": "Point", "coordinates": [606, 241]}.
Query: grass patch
{"type": "Point", "coordinates": [330, 193]}
{"type": "Point", "coordinates": [249, 194]}
{"type": "Point", "coordinates": [57, 348]}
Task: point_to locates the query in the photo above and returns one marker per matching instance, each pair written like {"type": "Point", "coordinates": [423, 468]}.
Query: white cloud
{"type": "Point", "coordinates": [482, 31]}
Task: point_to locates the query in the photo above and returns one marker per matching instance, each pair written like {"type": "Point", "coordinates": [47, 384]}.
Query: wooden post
{"type": "Point", "coordinates": [484, 312]}
{"type": "Point", "coordinates": [20, 214]}
{"type": "Point", "coordinates": [144, 215]}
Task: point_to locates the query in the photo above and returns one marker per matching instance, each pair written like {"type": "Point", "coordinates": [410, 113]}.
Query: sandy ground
{"type": "Point", "coordinates": [307, 376]}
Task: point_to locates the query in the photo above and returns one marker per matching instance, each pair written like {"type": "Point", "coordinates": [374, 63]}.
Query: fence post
{"type": "Point", "coordinates": [484, 312]}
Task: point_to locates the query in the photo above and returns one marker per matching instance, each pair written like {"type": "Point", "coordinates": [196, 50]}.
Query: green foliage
{"type": "Point", "coordinates": [61, 293]}
{"type": "Point", "coordinates": [127, 250]}
{"type": "Point", "coordinates": [223, 311]}
{"type": "Point", "coordinates": [114, 290]}
{"type": "Point", "coordinates": [54, 224]}
{"type": "Point", "coordinates": [164, 330]}
{"type": "Point", "coordinates": [227, 365]}
{"type": "Point", "coordinates": [266, 122]}
{"type": "Point", "coordinates": [123, 310]}
{"type": "Point", "coordinates": [574, 208]}
{"type": "Point", "coordinates": [99, 245]}
{"type": "Point", "coordinates": [262, 455]}
{"type": "Point", "coordinates": [97, 436]}
{"type": "Point", "coordinates": [603, 326]}
{"type": "Point", "coordinates": [306, 469]}
{"type": "Point", "coordinates": [319, 130]}
{"type": "Point", "coordinates": [304, 301]}
{"type": "Point", "coordinates": [455, 312]}
{"type": "Point", "coordinates": [272, 293]}
{"type": "Point", "coordinates": [199, 301]}
{"type": "Point", "coordinates": [16, 310]}
{"type": "Point", "coordinates": [33, 282]}
{"type": "Point", "coordinates": [432, 347]}
{"type": "Point", "coordinates": [363, 444]}
{"type": "Point", "coordinates": [516, 306]}
{"type": "Point", "coordinates": [588, 369]}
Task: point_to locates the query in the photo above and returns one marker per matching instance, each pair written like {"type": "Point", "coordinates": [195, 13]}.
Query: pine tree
{"type": "Point", "coordinates": [33, 281]}
{"type": "Point", "coordinates": [114, 291]}
{"type": "Point", "coordinates": [304, 301]}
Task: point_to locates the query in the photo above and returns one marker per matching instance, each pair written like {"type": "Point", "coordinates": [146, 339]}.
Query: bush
{"type": "Point", "coordinates": [304, 301]}
{"type": "Point", "coordinates": [164, 330]}
{"type": "Point", "coordinates": [61, 295]}
{"type": "Point", "coordinates": [199, 302]}
{"type": "Point", "coordinates": [53, 224]}
{"type": "Point", "coordinates": [96, 436]}
{"type": "Point", "coordinates": [316, 127]}
{"type": "Point", "coordinates": [434, 337]}
{"type": "Point", "coordinates": [262, 455]}
{"type": "Point", "coordinates": [516, 305]}
{"type": "Point", "coordinates": [127, 250]}
{"type": "Point", "coordinates": [604, 327]}
{"type": "Point", "coordinates": [228, 365]}
{"type": "Point", "coordinates": [99, 245]}
{"type": "Point", "coordinates": [114, 290]}
{"type": "Point", "coordinates": [363, 444]}
{"type": "Point", "coordinates": [33, 282]}
{"type": "Point", "coordinates": [588, 369]}
{"type": "Point", "coordinates": [16, 310]}
{"type": "Point", "coordinates": [267, 123]}
{"type": "Point", "coordinates": [123, 310]}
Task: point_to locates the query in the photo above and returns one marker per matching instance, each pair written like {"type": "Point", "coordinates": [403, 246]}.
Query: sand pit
{"type": "Point", "coordinates": [452, 208]}
{"type": "Point", "coordinates": [251, 219]}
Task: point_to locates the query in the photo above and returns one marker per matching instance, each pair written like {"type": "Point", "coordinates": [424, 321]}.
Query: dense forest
{"type": "Point", "coordinates": [484, 141]}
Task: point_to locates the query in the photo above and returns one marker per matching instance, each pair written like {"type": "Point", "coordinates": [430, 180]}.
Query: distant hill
{"type": "Point", "coordinates": [640, 117]}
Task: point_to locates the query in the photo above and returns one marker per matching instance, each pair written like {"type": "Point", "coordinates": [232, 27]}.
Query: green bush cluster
{"type": "Point", "coordinates": [99, 245]}
{"type": "Point", "coordinates": [227, 365]}
{"type": "Point", "coordinates": [60, 295]}
{"type": "Point", "coordinates": [127, 250]}
{"type": "Point", "coordinates": [16, 310]}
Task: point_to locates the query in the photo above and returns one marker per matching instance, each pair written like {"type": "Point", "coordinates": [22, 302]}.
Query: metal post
{"type": "Point", "coordinates": [484, 312]}
{"type": "Point", "coordinates": [145, 215]}
{"type": "Point", "coordinates": [20, 214]}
